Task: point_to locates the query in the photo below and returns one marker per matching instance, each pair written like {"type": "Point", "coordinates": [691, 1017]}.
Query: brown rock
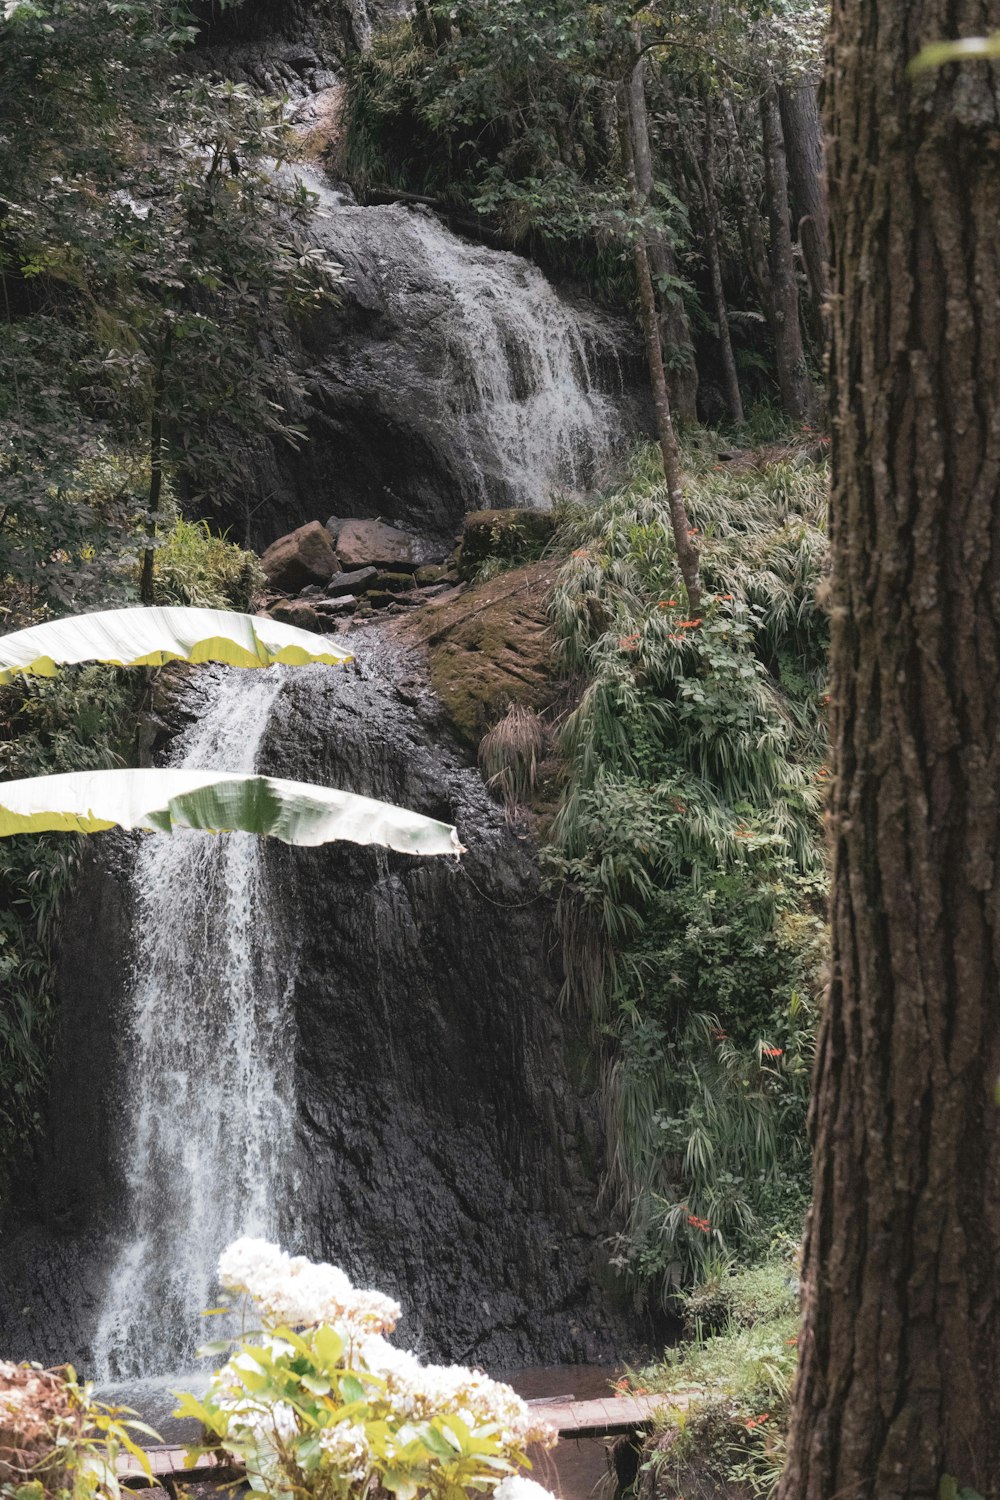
{"type": "Point", "coordinates": [296, 612]}
{"type": "Point", "coordinates": [514, 535]}
{"type": "Point", "coordinates": [302, 557]}
{"type": "Point", "coordinates": [362, 544]}
{"type": "Point", "coordinates": [489, 646]}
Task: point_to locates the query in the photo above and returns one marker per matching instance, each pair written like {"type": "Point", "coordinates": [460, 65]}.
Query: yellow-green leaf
{"type": "Point", "coordinates": [152, 637]}
{"type": "Point", "coordinates": [296, 812]}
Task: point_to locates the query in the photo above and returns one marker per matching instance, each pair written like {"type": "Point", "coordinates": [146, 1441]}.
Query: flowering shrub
{"type": "Point", "coordinates": [56, 1441]}
{"type": "Point", "coordinates": [320, 1404]}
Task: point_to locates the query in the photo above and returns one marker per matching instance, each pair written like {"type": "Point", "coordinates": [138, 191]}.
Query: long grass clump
{"type": "Point", "coordinates": [686, 848]}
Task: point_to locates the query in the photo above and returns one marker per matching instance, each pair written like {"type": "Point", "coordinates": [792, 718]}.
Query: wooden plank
{"type": "Point", "coordinates": [611, 1416]}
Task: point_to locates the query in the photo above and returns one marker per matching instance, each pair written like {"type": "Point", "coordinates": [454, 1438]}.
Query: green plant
{"type": "Point", "coordinates": [737, 1382]}
{"type": "Point", "coordinates": [85, 721]}
{"type": "Point", "coordinates": [57, 1442]}
{"type": "Point", "coordinates": [320, 1405]}
{"type": "Point", "coordinates": [686, 849]}
{"type": "Point", "coordinates": [196, 566]}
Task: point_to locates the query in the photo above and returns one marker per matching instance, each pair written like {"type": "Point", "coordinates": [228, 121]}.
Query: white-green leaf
{"type": "Point", "coordinates": [297, 812]}
{"type": "Point", "coordinates": [966, 49]}
{"type": "Point", "coordinates": [153, 637]}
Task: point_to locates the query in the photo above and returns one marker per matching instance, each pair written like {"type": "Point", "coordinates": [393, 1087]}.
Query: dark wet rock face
{"type": "Point", "coordinates": [445, 1149]}
{"type": "Point", "coordinates": [451, 378]}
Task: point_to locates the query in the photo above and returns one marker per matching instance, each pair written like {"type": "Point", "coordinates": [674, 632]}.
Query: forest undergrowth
{"type": "Point", "coordinates": [686, 850]}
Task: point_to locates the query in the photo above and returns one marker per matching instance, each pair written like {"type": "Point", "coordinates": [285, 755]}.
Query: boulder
{"type": "Point", "coordinates": [302, 557]}
{"type": "Point", "coordinates": [514, 535]}
{"type": "Point", "coordinates": [296, 612]}
{"type": "Point", "coordinates": [354, 582]}
{"type": "Point", "coordinates": [363, 544]}
{"type": "Point", "coordinates": [429, 573]}
{"type": "Point", "coordinates": [396, 583]}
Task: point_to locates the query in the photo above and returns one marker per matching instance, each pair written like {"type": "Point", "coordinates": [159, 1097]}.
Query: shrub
{"type": "Point", "coordinates": [196, 566]}
{"type": "Point", "coordinates": [686, 850]}
{"type": "Point", "coordinates": [56, 1441]}
{"type": "Point", "coordinates": [322, 1405]}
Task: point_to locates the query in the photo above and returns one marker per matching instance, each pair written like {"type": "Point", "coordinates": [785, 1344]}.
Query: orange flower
{"type": "Point", "coordinates": [629, 642]}
{"type": "Point", "coordinates": [757, 1421]}
{"type": "Point", "coordinates": [667, 604]}
{"type": "Point", "coordinates": [688, 624]}
{"type": "Point", "coordinates": [727, 596]}
{"type": "Point", "coordinates": [720, 1036]}
{"type": "Point", "coordinates": [580, 552]}
{"type": "Point", "coordinates": [675, 638]}
{"type": "Point", "coordinates": [692, 531]}
{"type": "Point", "coordinates": [793, 1342]}
{"type": "Point", "coordinates": [697, 1223]}
{"type": "Point", "coordinates": [771, 1051]}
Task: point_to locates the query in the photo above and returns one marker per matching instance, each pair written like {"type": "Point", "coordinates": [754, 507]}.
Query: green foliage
{"type": "Point", "coordinates": [58, 1442]}
{"type": "Point", "coordinates": [147, 242]}
{"type": "Point", "coordinates": [81, 722]}
{"type": "Point", "coordinates": [195, 566]}
{"type": "Point", "coordinates": [737, 1382]}
{"type": "Point", "coordinates": [686, 850]}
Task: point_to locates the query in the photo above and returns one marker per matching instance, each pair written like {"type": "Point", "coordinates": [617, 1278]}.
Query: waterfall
{"type": "Point", "coordinates": [210, 1084]}
{"type": "Point", "coordinates": [507, 367]}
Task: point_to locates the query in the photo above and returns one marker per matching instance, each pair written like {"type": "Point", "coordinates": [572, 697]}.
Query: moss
{"type": "Point", "coordinates": [490, 647]}
{"type": "Point", "coordinates": [505, 536]}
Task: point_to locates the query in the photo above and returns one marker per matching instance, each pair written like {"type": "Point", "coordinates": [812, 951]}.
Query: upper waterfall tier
{"type": "Point", "coordinates": [452, 377]}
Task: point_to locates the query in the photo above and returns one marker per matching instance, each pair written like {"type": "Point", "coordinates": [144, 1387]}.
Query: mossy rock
{"type": "Point", "coordinates": [395, 583]}
{"type": "Point", "coordinates": [509, 535]}
{"type": "Point", "coordinates": [489, 646]}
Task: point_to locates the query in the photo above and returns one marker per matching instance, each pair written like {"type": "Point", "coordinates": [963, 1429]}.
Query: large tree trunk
{"type": "Point", "coordinates": [797, 394]}
{"type": "Point", "coordinates": [899, 1385]}
{"type": "Point", "coordinates": [804, 148]}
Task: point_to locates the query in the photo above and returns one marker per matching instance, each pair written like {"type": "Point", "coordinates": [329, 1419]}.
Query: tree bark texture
{"type": "Point", "coordinates": [899, 1380]}
{"type": "Point", "coordinates": [704, 182]}
{"type": "Point", "coordinates": [797, 394]}
{"type": "Point", "coordinates": [806, 154]}
{"type": "Point", "coordinates": [682, 377]}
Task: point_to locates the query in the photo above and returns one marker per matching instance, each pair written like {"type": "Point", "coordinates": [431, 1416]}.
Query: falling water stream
{"type": "Point", "coordinates": [514, 381]}
{"type": "Point", "coordinates": [211, 1101]}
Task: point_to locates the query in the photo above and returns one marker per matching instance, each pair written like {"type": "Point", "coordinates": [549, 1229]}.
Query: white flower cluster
{"type": "Point", "coordinates": [416, 1392]}
{"type": "Point", "coordinates": [346, 1447]}
{"type": "Point", "coordinates": [514, 1487]}
{"type": "Point", "coordinates": [291, 1290]}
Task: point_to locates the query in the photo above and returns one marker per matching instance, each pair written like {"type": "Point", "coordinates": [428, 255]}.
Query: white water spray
{"type": "Point", "coordinates": [211, 1088]}
{"type": "Point", "coordinates": [516, 381]}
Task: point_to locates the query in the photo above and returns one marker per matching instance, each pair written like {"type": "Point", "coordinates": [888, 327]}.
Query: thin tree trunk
{"type": "Point", "coordinates": [683, 375]}
{"type": "Point", "coordinates": [710, 210]}
{"type": "Point", "coordinates": [803, 131]}
{"type": "Point", "coordinates": [155, 462]}
{"type": "Point", "coordinates": [797, 394]}
{"type": "Point", "coordinates": [751, 226]}
{"type": "Point", "coordinates": [898, 1392]}
{"type": "Point", "coordinates": [687, 554]}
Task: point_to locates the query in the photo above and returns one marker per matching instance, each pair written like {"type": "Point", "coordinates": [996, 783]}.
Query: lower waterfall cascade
{"type": "Point", "coordinates": [357, 1053]}
{"type": "Point", "coordinates": [206, 1136]}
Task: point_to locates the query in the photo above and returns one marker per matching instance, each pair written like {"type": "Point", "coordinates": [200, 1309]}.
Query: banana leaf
{"type": "Point", "coordinates": [296, 812]}
{"type": "Point", "coordinates": [152, 637]}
